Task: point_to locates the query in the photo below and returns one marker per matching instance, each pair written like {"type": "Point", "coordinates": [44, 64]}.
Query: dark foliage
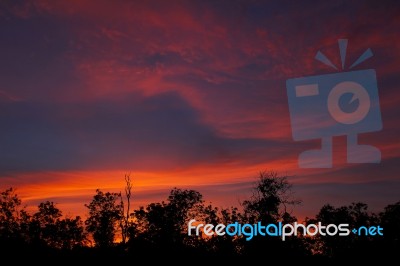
{"type": "Point", "coordinates": [160, 230]}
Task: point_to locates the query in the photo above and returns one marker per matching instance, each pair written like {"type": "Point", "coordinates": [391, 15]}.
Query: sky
{"type": "Point", "coordinates": [188, 94]}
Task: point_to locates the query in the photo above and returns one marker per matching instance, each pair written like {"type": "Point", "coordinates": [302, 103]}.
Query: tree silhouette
{"type": "Point", "coordinates": [271, 197]}
{"type": "Point", "coordinates": [105, 214]}
{"type": "Point", "coordinates": [219, 245]}
{"type": "Point", "coordinates": [390, 221]}
{"type": "Point", "coordinates": [269, 203]}
{"type": "Point", "coordinates": [356, 215]}
{"type": "Point", "coordinates": [125, 222]}
{"type": "Point", "coordinates": [11, 215]}
{"type": "Point", "coordinates": [165, 223]}
{"type": "Point", "coordinates": [43, 226]}
{"type": "Point", "coordinates": [71, 233]}
{"type": "Point", "coordinates": [161, 228]}
{"type": "Point", "coordinates": [47, 227]}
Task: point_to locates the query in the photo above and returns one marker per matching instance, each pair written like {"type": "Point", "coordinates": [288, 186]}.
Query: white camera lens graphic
{"type": "Point", "coordinates": [358, 92]}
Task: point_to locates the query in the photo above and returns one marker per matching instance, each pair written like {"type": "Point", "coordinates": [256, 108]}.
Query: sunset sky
{"type": "Point", "coordinates": [188, 94]}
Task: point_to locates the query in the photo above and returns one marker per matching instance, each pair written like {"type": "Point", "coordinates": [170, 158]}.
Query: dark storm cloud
{"type": "Point", "coordinates": [33, 62]}
{"type": "Point", "coordinates": [153, 132]}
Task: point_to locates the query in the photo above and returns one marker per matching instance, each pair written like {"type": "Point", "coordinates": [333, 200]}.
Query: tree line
{"type": "Point", "coordinates": [160, 229]}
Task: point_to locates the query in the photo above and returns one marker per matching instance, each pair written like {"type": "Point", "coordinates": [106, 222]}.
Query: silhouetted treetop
{"type": "Point", "coordinates": [271, 196]}
{"type": "Point", "coordinates": [105, 214]}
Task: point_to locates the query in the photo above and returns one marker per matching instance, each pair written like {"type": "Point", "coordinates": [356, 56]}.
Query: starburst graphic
{"type": "Point", "coordinates": [342, 49]}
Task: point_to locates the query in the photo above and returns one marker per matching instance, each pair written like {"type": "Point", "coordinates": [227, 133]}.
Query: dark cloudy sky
{"type": "Point", "coordinates": [184, 93]}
